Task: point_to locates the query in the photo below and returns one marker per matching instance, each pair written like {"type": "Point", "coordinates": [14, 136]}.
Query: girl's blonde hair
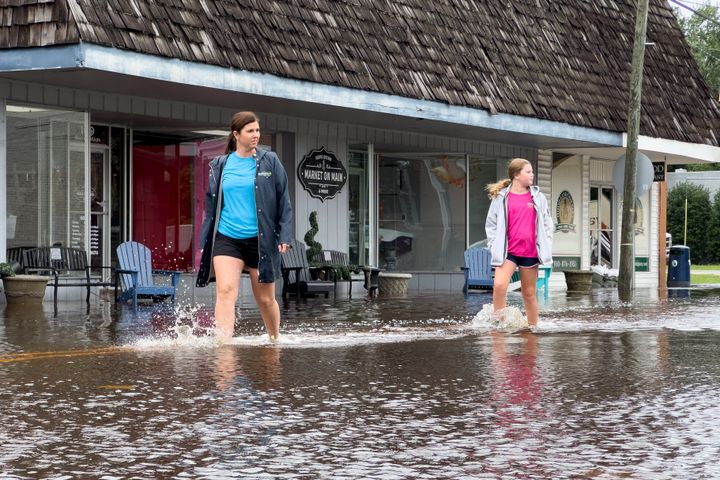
{"type": "Point", "coordinates": [514, 167]}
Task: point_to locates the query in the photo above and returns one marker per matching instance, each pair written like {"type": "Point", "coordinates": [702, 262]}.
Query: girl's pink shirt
{"type": "Point", "coordinates": [522, 225]}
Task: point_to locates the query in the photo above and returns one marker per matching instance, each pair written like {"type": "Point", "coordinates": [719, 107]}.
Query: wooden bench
{"type": "Point", "coordinates": [67, 267]}
{"type": "Point", "coordinates": [297, 279]}
{"type": "Point", "coordinates": [334, 263]}
{"type": "Point", "coordinates": [15, 254]}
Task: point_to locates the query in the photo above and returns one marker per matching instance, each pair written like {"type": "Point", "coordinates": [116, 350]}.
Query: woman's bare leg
{"type": "Point", "coordinates": [269, 309]}
{"type": "Point", "coordinates": [227, 285]}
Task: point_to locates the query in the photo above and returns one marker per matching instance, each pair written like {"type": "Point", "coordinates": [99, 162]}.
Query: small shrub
{"type": "Point", "coordinates": [6, 270]}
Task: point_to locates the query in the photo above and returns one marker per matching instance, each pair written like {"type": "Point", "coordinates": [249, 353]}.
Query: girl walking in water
{"type": "Point", "coordinates": [519, 235]}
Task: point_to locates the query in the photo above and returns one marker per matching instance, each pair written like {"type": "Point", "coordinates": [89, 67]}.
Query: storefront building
{"type": "Point", "coordinates": [108, 122]}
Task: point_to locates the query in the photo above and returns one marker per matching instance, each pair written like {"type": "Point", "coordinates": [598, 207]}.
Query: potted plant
{"type": "Point", "coordinates": [578, 281]}
{"type": "Point", "coordinates": [6, 270]}
{"type": "Point", "coordinates": [314, 249]}
{"type": "Point", "coordinates": [22, 288]}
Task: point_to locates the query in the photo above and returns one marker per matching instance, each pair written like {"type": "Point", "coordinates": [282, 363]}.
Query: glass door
{"type": "Point", "coordinates": [602, 226]}
{"type": "Point", "coordinates": [99, 207]}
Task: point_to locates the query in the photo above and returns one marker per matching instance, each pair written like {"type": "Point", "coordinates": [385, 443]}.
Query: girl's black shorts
{"type": "Point", "coordinates": [523, 262]}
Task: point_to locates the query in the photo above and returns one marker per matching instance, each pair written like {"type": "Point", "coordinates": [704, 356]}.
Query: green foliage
{"type": "Point", "coordinates": [314, 248]}
{"type": "Point", "coordinates": [698, 213]}
{"type": "Point", "coordinates": [703, 36]}
{"type": "Point", "coordinates": [702, 167]}
{"type": "Point", "coordinates": [713, 231]}
{"type": "Point", "coordinates": [6, 270]}
{"type": "Point", "coordinates": [344, 272]}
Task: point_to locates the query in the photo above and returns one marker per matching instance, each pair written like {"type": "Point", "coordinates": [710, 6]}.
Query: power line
{"type": "Point", "coordinates": [695, 12]}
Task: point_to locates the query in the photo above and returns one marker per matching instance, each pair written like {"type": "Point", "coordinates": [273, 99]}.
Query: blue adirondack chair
{"type": "Point", "coordinates": [135, 275]}
{"type": "Point", "coordinates": [478, 269]}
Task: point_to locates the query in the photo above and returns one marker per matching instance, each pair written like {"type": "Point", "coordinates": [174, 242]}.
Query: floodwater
{"type": "Point", "coordinates": [366, 388]}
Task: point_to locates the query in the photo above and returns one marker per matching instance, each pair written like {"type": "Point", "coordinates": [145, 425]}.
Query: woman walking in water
{"type": "Point", "coordinates": [519, 235]}
{"type": "Point", "coordinates": [247, 225]}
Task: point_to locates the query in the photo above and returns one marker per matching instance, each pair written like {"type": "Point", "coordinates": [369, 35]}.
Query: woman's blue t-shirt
{"type": "Point", "coordinates": [238, 217]}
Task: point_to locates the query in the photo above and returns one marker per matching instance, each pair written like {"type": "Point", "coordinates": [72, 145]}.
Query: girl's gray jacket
{"type": "Point", "coordinates": [496, 227]}
{"type": "Point", "coordinates": [274, 215]}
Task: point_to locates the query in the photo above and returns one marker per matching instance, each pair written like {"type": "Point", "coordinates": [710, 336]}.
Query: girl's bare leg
{"type": "Point", "coordinates": [528, 285]}
{"type": "Point", "coordinates": [500, 285]}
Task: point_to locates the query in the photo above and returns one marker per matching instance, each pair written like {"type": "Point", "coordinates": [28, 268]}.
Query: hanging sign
{"type": "Point", "coordinates": [659, 171]}
{"type": "Point", "coordinates": [322, 175]}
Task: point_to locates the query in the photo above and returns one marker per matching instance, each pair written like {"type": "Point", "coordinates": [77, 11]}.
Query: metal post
{"type": "Point", "coordinates": [685, 227]}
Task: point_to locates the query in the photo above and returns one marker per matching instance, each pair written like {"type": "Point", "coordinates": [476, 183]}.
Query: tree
{"type": "Point", "coordinates": [714, 231]}
{"type": "Point", "coordinates": [698, 212]}
{"type": "Point", "coordinates": [703, 36]}
{"type": "Point", "coordinates": [702, 167]}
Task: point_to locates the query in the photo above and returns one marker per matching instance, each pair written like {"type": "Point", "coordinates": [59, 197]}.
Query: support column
{"type": "Point", "coordinates": [662, 229]}
{"type": "Point", "coordinates": [3, 181]}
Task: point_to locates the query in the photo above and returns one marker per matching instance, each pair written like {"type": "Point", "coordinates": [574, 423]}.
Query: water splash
{"type": "Point", "coordinates": [184, 326]}
{"type": "Point", "coordinates": [198, 318]}
{"type": "Point", "coordinates": [509, 319]}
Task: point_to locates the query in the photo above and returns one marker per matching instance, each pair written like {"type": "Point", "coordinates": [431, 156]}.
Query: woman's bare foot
{"type": "Point", "coordinates": [223, 336]}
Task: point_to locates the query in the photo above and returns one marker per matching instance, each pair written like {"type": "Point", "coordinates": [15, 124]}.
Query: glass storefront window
{"type": "Point", "coordinates": [421, 211]}
{"type": "Point", "coordinates": [358, 213]}
{"type": "Point", "coordinates": [46, 177]}
{"type": "Point", "coordinates": [165, 195]}
{"type": "Point", "coordinates": [483, 171]}
{"type": "Point", "coordinates": [169, 181]}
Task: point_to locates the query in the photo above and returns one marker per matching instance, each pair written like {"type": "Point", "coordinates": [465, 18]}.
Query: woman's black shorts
{"type": "Point", "coordinates": [246, 249]}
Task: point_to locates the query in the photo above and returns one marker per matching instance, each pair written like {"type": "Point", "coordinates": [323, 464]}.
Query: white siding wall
{"type": "Point", "coordinates": [333, 212]}
{"type": "Point", "coordinates": [543, 175]}
{"type": "Point", "coordinates": [650, 279]}
{"type": "Point", "coordinates": [585, 261]}
{"type": "Point", "coordinates": [601, 171]}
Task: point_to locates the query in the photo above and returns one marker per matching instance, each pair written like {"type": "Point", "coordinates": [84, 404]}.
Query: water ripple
{"type": "Point", "coordinates": [360, 390]}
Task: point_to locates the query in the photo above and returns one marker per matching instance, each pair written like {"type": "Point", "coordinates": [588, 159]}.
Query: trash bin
{"type": "Point", "coordinates": [679, 266]}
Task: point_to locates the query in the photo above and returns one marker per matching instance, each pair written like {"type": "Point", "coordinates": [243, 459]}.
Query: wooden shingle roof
{"type": "Point", "coordinates": [562, 60]}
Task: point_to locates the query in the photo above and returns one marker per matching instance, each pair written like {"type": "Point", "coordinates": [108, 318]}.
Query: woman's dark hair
{"type": "Point", "coordinates": [239, 120]}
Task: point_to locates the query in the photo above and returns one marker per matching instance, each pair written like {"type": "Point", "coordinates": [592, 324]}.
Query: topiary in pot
{"type": "Point", "coordinates": [314, 248]}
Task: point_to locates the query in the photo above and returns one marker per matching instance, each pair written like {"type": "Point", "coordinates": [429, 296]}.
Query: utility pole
{"type": "Point", "coordinates": [627, 251]}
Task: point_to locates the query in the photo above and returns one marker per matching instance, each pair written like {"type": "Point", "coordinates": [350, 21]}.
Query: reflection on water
{"type": "Point", "coordinates": [403, 388]}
